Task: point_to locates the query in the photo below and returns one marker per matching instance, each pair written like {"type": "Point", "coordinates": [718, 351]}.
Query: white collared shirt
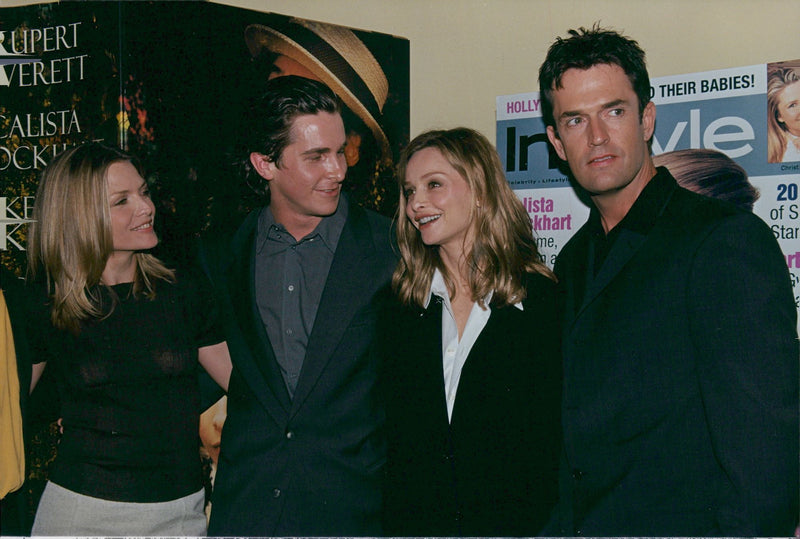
{"type": "Point", "coordinates": [455, 351]}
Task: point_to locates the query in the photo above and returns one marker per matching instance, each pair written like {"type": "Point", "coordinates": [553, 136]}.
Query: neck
{"type": "Point", "coordinates": [612, 214]}
{"type": "Point", "coordinates": [299, 226]}
{"type": "Point", "coordinates": [614, 206]}
{"type": "Point", "coordinates": [456, 265]}
{"type": "Point", "coordinates": [300, 230]}
{"type": "Point", "coordinates": [120, 268]}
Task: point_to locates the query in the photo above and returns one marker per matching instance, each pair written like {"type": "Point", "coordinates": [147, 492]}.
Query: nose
{"type": "Point", "coordinates": [337, 166]}
{"type": "Point", "coordinates": [145, 207]}
{"type": "Point", "coordinates": [417, 200]}
{"type": "Point", "coordinates": [598, 134]}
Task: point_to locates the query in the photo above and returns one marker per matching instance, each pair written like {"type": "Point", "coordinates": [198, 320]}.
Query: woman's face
{"type": "Point", "coordinates": [789, 108]}
{"type": "Point", "coordinates": [132, 211]}
{"type": "Point", "coordinates": [439, 202]}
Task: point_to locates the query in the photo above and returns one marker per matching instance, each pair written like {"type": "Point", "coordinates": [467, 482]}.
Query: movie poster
{"type": "Point", "coordinates": [59, 85]}
{"type": "Point", "coordinates": [745, 113]}
{"type": "Point", "coordinates": [169, 82]}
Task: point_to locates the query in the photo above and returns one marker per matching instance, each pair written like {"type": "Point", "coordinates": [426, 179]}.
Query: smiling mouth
{"type": "Point", "coordinates": [330, 191]}
{"type": "Point", "coordinates": [143, 227]}
{"type": "Point", "coordinates": [428, 219]}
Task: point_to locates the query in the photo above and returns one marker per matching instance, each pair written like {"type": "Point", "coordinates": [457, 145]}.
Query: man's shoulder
{"type": "Point", "coordinates": [374, 219]}
{"type": "Point", "coordinates": [575, 246]}
{"type": "Point", "coordinates": [215, 248]}
{"type": "Point", "coordinates": [696, 215]}
{"type": "Point", "coordinates": [226, 239]}
{"type": "Point", "coordinates": [377, 227]}
{"type": "Point", "coordinates": [690, 204]}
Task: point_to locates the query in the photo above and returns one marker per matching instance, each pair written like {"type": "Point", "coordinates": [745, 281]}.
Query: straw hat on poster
{"type": "Point", "coordinates": [338, 58]}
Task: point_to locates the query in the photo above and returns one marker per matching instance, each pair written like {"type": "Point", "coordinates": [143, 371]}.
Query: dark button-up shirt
{"type": "Point", "coordinates": [290, 277]}
{"type": "Point", "coordinates": [640, 218]}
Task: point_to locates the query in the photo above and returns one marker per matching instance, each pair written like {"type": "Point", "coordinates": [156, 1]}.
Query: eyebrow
{"type": "Point", "coordinates": [143, 185]}
{"type": "Point", "coordinates": [320, 151]}
{"type": "Point", "coordinates": [314, 151]}
{"type": "Point", "coordinates": [605, 106]}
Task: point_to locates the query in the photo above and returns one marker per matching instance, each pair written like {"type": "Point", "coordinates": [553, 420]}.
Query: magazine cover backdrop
{"type": "Point", "coordinates": [168, 81]}
{"type": "Point", "coordinates": [724, 110]}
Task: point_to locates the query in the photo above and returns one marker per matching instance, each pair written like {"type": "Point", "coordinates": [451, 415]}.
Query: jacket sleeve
{"type": "Point", "coordinates": [744, 326]}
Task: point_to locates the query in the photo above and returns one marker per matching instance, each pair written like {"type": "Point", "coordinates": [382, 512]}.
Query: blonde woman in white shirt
{"type": "Point", "coordinates": [471, 353]}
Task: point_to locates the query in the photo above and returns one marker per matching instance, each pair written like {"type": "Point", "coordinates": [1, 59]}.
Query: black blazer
{"type": "Point", "coordinates": [492, 471]}
{"type": "Point", "coordinates": [311, 465]}
{"type": "Point", "coordinates": [680, 378]}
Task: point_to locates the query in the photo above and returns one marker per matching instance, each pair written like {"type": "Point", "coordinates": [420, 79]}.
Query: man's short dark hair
{"type": "Point", "coordinates": [267, 126]}
{"type": "Point", "coordinates": [587, 48]}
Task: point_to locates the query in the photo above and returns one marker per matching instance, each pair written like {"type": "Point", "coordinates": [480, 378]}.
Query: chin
{"type": "Point", "coordinates": [327, 211]}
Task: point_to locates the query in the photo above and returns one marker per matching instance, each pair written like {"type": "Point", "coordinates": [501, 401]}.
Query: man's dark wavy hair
{"type": "Point", "coordinates": [267, 126]}
{"type": "Point", "coordinates": [587, 48]}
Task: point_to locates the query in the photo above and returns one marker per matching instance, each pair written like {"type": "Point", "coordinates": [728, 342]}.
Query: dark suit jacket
{"type": "Point", "coordinates": [680, 378]}
{"type": "Point", "coordinates": [311, 465]}
{"type": "Point", "coordinates": [493, 470]}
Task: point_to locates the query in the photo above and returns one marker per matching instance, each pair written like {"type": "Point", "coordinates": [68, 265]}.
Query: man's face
{"type": "Point", "coordinates": [598, 130]}
{"type": "Point", "coordinates": [285, 66]}
{"type": "Point", "coordinates": [306, 183]}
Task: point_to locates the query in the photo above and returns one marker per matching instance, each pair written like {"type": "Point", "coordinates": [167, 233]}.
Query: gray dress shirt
{"type": "Point", "coordinates": [290, 277]}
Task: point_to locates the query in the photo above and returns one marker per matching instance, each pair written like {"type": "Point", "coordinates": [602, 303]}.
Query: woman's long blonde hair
{"type": "Point", "coordinates": [777, 80]}
{"type": "Point", "coordinates": [503, 249]}
{"type": "Point", "coordinates": [70, 240]}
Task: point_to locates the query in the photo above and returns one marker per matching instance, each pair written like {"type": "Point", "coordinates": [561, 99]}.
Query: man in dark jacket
{"type": "Point", "coordinates": [680, 408]}
{"type": "Point", "coordinates": [300, 284]}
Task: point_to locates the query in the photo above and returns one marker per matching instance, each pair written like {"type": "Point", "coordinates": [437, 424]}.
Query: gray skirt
{"type": "Point", "coordinates": [63, 512]}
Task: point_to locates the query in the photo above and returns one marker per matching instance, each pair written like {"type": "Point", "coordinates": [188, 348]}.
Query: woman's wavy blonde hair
{"type": "Point", "coordinates": [70, 240]}
{"type": "Point", "coordinates": [503, 249]}
{"type": "Point", "coordinates": [777, 81]}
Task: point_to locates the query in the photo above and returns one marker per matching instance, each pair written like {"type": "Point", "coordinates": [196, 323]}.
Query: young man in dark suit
{"type": "Point", "coordinates": [300, 284]}
{"type": "Point", "coordinates": [680, 409]}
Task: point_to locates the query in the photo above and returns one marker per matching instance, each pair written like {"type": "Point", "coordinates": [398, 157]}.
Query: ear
{"type": "Point", "coordinates": [649, 120]}
{"type": "Point", "coordinates": [263, 165]}
{"type": "Point", "coordinates": [556, 142]}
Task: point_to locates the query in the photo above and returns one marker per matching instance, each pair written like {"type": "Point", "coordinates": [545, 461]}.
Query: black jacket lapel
{"type": "Point", "coordinates": [258, 365]}
{"type": "Point", "coordinates": [342, 297]}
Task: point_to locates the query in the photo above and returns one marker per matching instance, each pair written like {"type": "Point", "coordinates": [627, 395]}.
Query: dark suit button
{"type": "Point", "coordinates": [577, 474]}
{"type": "Point", "coordinates": [289, 435]}
{"type": "Point", "coordinates": [276, 493]}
